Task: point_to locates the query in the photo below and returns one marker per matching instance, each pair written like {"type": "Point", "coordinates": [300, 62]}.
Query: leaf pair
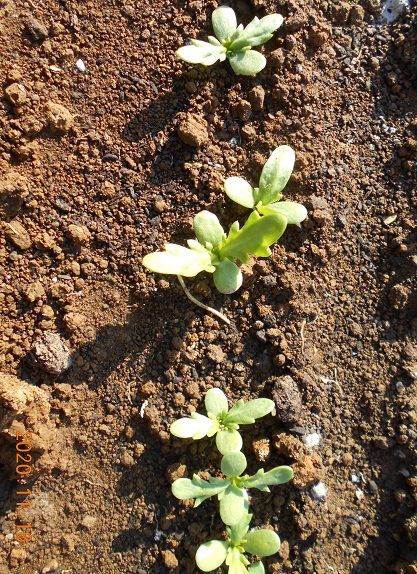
{"type": "Point", "coordinates": [217, 253]}
{"type": "Point", "coordinates": [231, 491]}
{"type": "Point", "coordinates": [221, 421]}
{"type": "Point", "coordinates": [233, 42]}
{"type": "Point", "coordinates": [266, 198]}
{"type": "Point", "coordinates": [212, 554]}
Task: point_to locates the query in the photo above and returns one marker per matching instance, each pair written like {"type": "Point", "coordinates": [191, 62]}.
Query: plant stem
{"type": "Point", "coordinates": [199, 304]}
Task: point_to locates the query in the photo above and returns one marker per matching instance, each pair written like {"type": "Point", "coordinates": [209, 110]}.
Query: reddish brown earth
{"type": "Point", "coordinates": [94, 175]}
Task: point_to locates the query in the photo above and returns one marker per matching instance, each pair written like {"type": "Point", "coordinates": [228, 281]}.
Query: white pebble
{"type": "Point", "coordinates": [355, 478]}
{"type": "Point", "coordinates": [80, 65]}
{"type": "Point", "coordinates": [319, 491]}
{"type": "Point", "coordinates": [359, 494]}
{"type": "Point", "coordinates": [312, 439]}
{"type": "Point", "coordinates": [392, 9]}
{"type": "Point", "coordinates": [143, 407]}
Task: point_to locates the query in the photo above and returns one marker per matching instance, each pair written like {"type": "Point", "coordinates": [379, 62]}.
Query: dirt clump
{"type": "Point", "coordinates": [287, 399]}
{"type": "Point", "coordinates": [52, 353]}
{"type": "Point", "coordinates": [59, 119]}
{"type": "Point", "coordinates": [193, 130]}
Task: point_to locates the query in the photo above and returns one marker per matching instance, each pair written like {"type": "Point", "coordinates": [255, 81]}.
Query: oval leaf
{"type": "Point", "coordinates": [178, 260]}
{"type": "Point", "coordinates": [233, 505]}
{"type": "Point", "coordinates": [261, 480]}
{"type": "Point", "coordinates": [275, 174]}
{"type": "Point", "coordinates": [201, 53]}
{"type": "Point", "coordinates": [216, 402]}
{"type": "Point", "coordinates": [228, 441]}
{"type": "Point", "coordinates": [184, 428]}
{"type": "Point", "coordinates": [257, 32]}
{"type": "Point", "coordinates": [184, 489]}
{"type": "Point", "coordinates": [204, 426]}
{"type": "Point", "coordinates": [224, 22]}
{"type": "Point", "coordinates": [208, 229]}
{"type": "Point", "coordinates": [262, 542]}
{"type": "Point", "coordinates": [227, 277]}
{"type": "Point", "coordinates": [239, 191]}
{"type": "Point", "coordinates": [294, 212]}
{"type": "Point", "coordinates": [247, 413]}
{"type": "Point", "coordinates": [211, 555]}
{"type": "Point", "coordinates": [233, 464]}
{"type": "Point", "coordinates": [247, 63]}
{"type": "Point", "coordinates": [257, 568]}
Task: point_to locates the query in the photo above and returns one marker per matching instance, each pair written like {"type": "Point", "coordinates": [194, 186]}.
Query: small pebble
{"type": "Point", "coordinates": [319, 491]}
{"type": "Point", "coordinates": [312, 439]}
{"type": "Point", "coordinates": [80, 65]}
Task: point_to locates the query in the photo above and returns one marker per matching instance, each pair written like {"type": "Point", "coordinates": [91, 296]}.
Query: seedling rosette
{"type": "Point", "coordinates": [221, 421]}
{"type": "Point", "coordinates": [233, 42]}
{"type": "Point", "coordinates": [266, 199]}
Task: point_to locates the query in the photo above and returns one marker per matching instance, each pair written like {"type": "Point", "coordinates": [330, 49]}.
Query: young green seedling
{"type": "Point", "coordinates": [216, 252]}
{"type": "Point", "coordinates": [240, 539]}
{"type": "Point", "coordinates": [232, 490]}
{"type": "Point", "coordinates": [221, 421]}
{"type": "Point", "coordinates": [265, 199]}
{"type": "Point", "coordinates": [233, 42]}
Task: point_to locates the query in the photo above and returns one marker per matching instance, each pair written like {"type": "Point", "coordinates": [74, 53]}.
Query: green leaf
{"type": "Point", "coordinates": [255, 237]}
{"type": "Point", "coordinates": [236, 562]}
{"type": "Point", "coordinates": [227, 277]}
{"type": "Point", "coordinates": [197, 426]}
{"type": "Point", "coordinates": [184, 488]}
{"type": "Point", "coordinates": [294, 212]}
{"type": "Point", "coordinates": [257, 568]}
{"type": "Point", "coordinates": [239, 530]}
{"type": "Point", "coordinates": [211, 555]}
{"type": "Point", "coordinates": [216, 402]}
{"type": "Point", "coordinates": [246, 413]}
{"type": "Point", "coordinates": [257, 32]}
{"type": "Point", "coordinates": [224, 22]}
{"type": "Point", "coordinates": [199, 52]}
{"type": "Point", "coordinates": [228, 441]}
{"type": "Point", "coordinates": [262, 542]}
{"type": "Point", "coordinates": [178, 260]}
{"type": "Point", "coordinates": [233, 464]}
{"type": "Point", "coordinates": [233, 504]}
{"type": "Point", "coordinates": [275, 174]}
{"type": "Point", "coordinates": [247, 62]}
{"type": "Point", "coordinates": [239, 191]}
{"type": "Point", "coordinates": [208, 229]}
{"type": "Point", "coordinates": [261, 480]}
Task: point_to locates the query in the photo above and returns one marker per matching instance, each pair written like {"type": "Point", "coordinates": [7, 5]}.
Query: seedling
{"type": "Point", "coordinates": [240, 539]}
{"type": "Point", "coordinates": [233, 42]}
{"type": "Point", "coordinates": [232, 490]}
{"type": "Point", "coordinates": [265, 199]}
{"type": "Point", "coordinates": [221, 421]}
{"type": "Point", "coordinates": [216, 252]}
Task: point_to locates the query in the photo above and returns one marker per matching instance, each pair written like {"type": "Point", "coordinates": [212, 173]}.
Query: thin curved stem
{"type": "Point", "coordinates": [199, 304]}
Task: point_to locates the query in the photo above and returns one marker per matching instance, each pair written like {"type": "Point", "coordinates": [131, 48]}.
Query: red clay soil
{"type": "Point", "coordinates": [96, 170]}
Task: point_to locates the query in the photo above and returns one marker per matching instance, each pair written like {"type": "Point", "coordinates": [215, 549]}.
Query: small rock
{"type": "Point", "coordinates": [88, 521]}
{"type": "Point", "coordinates": [307, 471]}
{"type": "Point", "coordinates": [169, 559]}
{"type": "Point", "coordinates": [319, 491]}
{"type": "Point", "coordinates": [74, 321]}
{"type": "Point", "coordinates": [12, 192]}
{"type": "Point", "coordinates": [27, 150]}
{"type": "Point", "coordinates": [36, 29]}
{"type": "Point", "coordinates": [79, 234]}
{"type": "Point", "coordinates": [262, 449]}
{"type": "Point", "coordinates": [16, 94]}
{"type": "Point", "coordinates": [215, 353]}
{"type": "Point", "coordinates": [193, 131]}
{"type": "Point", "coordinates": [356, 15]}
{"type": "Point", "coordinates": [18, 235]}
{"type": "Point", "coordinates": [127, 459]}
{"type": "Point", "coordinates": [289, 446]}
{"type": "Point", "coordinates": [372, 6]}
{"type": "Point", "coordinates": [276, 58]}
{"type": "Point", "coordinates": [287, 399]}
{"type": "Point", "coordinates": [34, 291]}
{"type": "Point", "coordinates": [411, 529]}
{"type": "Point", "coordinates": [58, 117]}
{"type": "Point", "coordinates": [52, 353]}
{"type": "Point", "coordinates": [256, 96]}
{"type": "Point", "coordinates": [175, 471]}
{"type": "Point", "coordinates": [398, 296]}
{"type": "Point", "coordinates": [17, 555]}
{"type": "Point", "coordinates": [340, 13]}
{"type": "Point", "coordinates": [318, 36]}
{"type": "Point", "coordinates": [311, 440]}
{"type": "Point", "coordinates": [243, 110]}
{"type": "Point", "coordinates": [31, 126]}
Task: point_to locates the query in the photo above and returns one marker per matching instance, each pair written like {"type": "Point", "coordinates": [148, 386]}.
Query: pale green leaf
{"type": "Point", "coordinates": [294, 212]}
{"type": "Point", "coordinates": [228, 441]}
{"type": "Point", "coordinates": [246, 413]}
{"type": "Point", "coordinates": [262, 480]}
{"type": "Point", "coordinates": [275, 174]}
{"type": "Point", "coordinates": [224, 22]}
{"type": "Point", "coordinates": [236, 562]}
{"type": "Point", "coordinates": [239, 191]}
{"type": "Point", "coordinates": [257, 32]}
{"type": "Point", "coordinates": [255, 237]}
{"type": "Point", "coordinates": [184, 488]}
{"type": "Point", "coordinates": [178, 260]}
{"type": "Point", "coordinates": [216, 402]}
{"type": "Point", "coordinates": [184, 428]}
{"type": "Point", "coordinates": [211, 555]}
{"type": "Point", "coordinates": [247, 62]}
{"type": "Point", "coordinates": [257, 568]}
{"type": "Point", "coordinates": [205, 426]}
{"type": "Point", "coordinates": [227, 277]}
{"type": "Point", "coordinates": [233, 504]}
{"type": "Point", "coordinates": [233, 464]}
{"type": "Point", "coordinates": [208, 229]}
{"type": "Point", "coordinates": [201, 53]}
{"type": "Point", "coordinates": [238, 531]}
{"type": "Point", "coordinates": [262, 542]}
